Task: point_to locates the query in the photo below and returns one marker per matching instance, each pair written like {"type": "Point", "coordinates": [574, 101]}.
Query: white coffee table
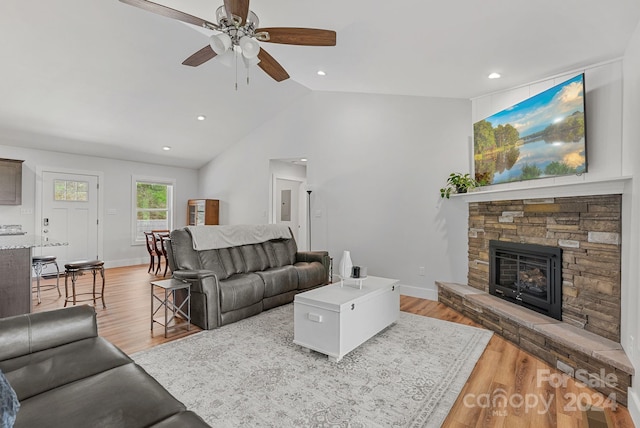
{"type": "Point", "coordinates": [336, 319]}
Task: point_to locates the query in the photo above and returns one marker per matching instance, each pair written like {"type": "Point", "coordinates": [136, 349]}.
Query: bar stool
{"type": "Point", "coordinates": [38, 262]}
{"type": "Point", "coordinates": [73, 269]}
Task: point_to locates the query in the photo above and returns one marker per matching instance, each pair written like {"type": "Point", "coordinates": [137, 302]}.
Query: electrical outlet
{"type": "Point", "coordinates": [421, 271]}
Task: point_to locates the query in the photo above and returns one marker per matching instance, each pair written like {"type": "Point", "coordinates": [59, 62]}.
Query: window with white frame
{"type": "Point", "coordinates": [152, 206]}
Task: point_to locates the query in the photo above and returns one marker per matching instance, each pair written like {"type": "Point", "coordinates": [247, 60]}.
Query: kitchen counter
{"type": "Point", "coordinates": [15, 271]}
{"type": "Point", "coordinates": [10, 242]}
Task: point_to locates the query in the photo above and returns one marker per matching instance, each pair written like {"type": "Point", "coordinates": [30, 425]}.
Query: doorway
{"type": "Point", "coordinates": [288, 197]}
{"type": "Point", "coordinates": [67, 210]}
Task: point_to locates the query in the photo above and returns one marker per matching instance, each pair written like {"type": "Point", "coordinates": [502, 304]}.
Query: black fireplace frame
{"type": "Point", "coordinates": [552, 305]}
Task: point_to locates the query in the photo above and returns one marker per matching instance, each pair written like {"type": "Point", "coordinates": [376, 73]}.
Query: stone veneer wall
{"type": "Point", "coordinates": [587, 228]}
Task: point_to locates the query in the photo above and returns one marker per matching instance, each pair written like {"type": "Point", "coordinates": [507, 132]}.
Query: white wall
{"type": "Point", "coordinates": [116, 188]}
{"type": "Point", "coordinates": [631, 214]}
{"type": "Point", "coordinates": [375, 165]}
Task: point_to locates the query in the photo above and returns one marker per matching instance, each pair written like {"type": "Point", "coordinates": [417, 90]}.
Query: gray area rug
{"type": "Point", "coordinates": [250, 374]}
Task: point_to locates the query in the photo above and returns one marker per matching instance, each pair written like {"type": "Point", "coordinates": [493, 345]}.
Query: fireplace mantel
{"type": "Point", "coordinates": [533, 190]}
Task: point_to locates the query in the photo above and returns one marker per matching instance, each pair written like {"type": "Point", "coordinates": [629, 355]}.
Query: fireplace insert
{"type": "Point", "coordinates": [527, 274]}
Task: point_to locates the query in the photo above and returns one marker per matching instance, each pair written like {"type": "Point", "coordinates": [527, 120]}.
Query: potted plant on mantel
{"type": "Point", "coordinates": [458, 183]}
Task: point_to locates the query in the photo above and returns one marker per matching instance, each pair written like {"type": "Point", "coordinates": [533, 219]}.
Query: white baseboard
{"type": "Point", "coordinates": [420, 292]}
{"type": "Point", "coordinates": [633, 405]}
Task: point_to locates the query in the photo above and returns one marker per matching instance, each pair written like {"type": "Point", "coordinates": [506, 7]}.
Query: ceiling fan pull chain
{"type": "Point", "coordinates": [235, 54]}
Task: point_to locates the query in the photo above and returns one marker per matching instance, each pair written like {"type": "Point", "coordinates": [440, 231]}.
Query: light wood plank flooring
{"type": "Point", "coordinates": [503, 374]}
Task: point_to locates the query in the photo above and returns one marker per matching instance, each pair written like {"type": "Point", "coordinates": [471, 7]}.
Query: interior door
{"type": "Point", "coordinates": [70, 214]}
{"type": "Point", "coordinates": [287, 204]}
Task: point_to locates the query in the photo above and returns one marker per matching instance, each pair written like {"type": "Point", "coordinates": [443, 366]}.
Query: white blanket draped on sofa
{"type": "Point", "coordinates": [214, 237]}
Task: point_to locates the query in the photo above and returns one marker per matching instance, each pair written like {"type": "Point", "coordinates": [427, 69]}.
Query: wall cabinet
{"type": "Point", "coordinates": [10, 182]}
{"type": "Point", "coordinates": [203, 212]}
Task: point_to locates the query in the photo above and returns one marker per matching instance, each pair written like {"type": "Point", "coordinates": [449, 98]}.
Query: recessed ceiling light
{"type": "Point", "coordinates": [166, 148]}
{"type": "Point", "coordinates": [201, 117]}
{"type": "Point", "coordinates": [321, 73]}
{"type": "Point", "coordinates": [303, 160]}
{"type": "Point", "coordinates": [494, 76]}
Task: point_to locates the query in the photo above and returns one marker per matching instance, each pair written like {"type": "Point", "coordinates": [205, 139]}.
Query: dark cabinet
{"type": "Point", "coordinates": [10, 182]}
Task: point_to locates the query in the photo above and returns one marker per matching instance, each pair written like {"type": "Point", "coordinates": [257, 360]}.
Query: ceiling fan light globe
{"type": "Point", "coordinates": [250, 62]}
{"type": "Point", "coordinates": [228, 58]}
{"type": "Point", "coordinates": [220, 43]}
{"type": "Point", "coordinates": [250, 47]}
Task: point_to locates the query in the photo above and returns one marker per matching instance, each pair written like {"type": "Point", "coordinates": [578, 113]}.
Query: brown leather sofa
{"type": "Point", "coordinates": [235, 282]}
{"type": "Point", "coordinates": [65, 375]}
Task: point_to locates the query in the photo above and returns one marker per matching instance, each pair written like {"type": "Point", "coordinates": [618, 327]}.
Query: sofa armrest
{"type": "Point", "coordinates": [204, 282]}
{"type": "Point", "coordinates": [316, 256]}
{"type": "Point", "coordinates": [193, 274]}
{"type": "Point", "coordinates": [25, 334]}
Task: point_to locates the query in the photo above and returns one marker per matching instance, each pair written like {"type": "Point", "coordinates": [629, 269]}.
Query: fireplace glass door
{"type": "Point", "coordinates": [529, 275]}
{"type": "Point", "coordinates": [524, 275]}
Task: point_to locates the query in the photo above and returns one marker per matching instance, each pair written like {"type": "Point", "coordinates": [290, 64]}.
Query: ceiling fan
{"type": "Point", "coordinates": [239, 33]}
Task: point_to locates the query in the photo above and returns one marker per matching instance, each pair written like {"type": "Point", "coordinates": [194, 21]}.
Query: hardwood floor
{"type": "Point", "coordinates": [508, 387]}
{"type": "Point", "coordinates": [126, 321]}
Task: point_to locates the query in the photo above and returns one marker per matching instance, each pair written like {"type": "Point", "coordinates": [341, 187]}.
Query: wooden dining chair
{"type": "Point", "coordinates": [159, 235]}
{"type": "Point", "coordinates": [153, 251]}
{"type": "Point", "coordinates": [163, 247]}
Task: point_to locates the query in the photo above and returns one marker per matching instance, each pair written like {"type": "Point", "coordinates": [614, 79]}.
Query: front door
{"type": "Point", "coordinates": [69, 213]}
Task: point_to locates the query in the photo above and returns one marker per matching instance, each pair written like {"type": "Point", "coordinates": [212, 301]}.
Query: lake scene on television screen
{"type": "Point", "coordinates": [542, 136]}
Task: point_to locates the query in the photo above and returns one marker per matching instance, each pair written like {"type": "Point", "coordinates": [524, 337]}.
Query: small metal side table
{"type": "Point", "coordinates": [170, 286]}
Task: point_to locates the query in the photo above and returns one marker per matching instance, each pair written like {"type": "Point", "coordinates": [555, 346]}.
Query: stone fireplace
{"type": "Point", "coordinates": [583, 235]}
{"type": "Point", "coordinates": [587, 230]}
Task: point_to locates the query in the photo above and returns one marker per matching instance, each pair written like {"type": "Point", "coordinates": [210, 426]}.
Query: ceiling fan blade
{"type": "Point", "coordinates": [169, 13]}
{"type": "Point", "coordinates": [238, 8]}
{"type": "Point", "coordinates": [200, 57]}
{"type": "Point", "coordinates": [299, 36]}
{"type": "Point", "coordinates": [271, 66]}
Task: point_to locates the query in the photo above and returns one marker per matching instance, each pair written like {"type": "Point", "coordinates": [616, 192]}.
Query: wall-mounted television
{"type": "Point", "coordinates": [542, 136]}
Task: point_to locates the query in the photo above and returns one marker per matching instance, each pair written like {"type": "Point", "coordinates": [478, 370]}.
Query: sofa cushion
{"type": "Point", "coordinates": [124, 396]}
{"type": "Point", "coordinates": [255, 258]}
{"type": "Point", "coordinates": [281, 252]}
{"type": "Point", "coordinates": [183, 255]}
{"type": "Point", "coordinates": [231, 260]}
{"type": "Point", "coordinates": [210, 260]}
{"type": "Point", "coordinates": [310, 274]}
{"type": "Point", "coordinates": [23, 334]}
{"type": "Point", "coordinates": [240, 291]}
{"type": "Point", "coordinates": [50, 368]}
{"type": "Point", "coordinates": [279, 280]}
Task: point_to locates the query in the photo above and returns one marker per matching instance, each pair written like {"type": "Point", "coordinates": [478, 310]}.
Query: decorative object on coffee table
{"type": "Point", "coordinates": [345, 265]}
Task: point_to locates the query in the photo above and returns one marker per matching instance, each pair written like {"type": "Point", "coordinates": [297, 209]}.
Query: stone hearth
{"type": "Point", "coordinates": [561, 345]}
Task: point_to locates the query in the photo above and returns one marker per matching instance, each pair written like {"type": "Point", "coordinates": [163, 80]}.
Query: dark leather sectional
{"type": "Point", "coordinates": [230, 284]}
{"type": "Point", "coordinates": [65, 375]}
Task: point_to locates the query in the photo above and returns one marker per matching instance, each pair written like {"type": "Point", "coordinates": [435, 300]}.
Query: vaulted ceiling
{"type": "Point", "coordinates": [104, 78]}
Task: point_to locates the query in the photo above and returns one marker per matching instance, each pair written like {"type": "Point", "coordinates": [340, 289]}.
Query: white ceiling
{"type": "Point", "coordinates": [104, 78]}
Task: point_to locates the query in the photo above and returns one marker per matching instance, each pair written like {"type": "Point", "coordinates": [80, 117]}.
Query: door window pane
{"type": "Point", "coordinates": [70, 190]}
